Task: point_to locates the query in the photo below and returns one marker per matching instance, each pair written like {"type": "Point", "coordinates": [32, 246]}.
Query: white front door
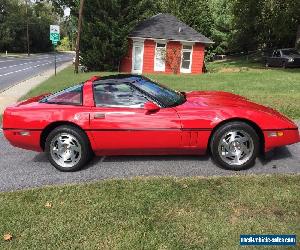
{"type": "Point", "coordinates": [137, 57]}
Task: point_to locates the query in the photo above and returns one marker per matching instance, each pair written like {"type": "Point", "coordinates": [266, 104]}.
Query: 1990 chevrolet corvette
{"type": "Point", "coordinates": [132, 115]}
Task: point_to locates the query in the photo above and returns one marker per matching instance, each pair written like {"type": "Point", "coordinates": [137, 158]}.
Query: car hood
{"type": "Point", "coordinates": [294, 56]}
{"type": "Point", "coordinates": [216, 98]}
{"type": "Point", "coordinates": [222, 99]}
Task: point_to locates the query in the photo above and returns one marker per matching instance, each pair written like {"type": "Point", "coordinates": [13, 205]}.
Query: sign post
{"type": "Point", "coordinates": [55, 38]}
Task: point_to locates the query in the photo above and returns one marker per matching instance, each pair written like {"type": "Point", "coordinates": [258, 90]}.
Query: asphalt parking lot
{"type": "Point", "coordinates": [25, 169]}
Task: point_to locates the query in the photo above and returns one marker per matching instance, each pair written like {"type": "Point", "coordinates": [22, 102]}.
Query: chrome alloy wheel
{"type": "Point", "coordinates": [65, 150]}
{"type": "Point", "coordinates": [236, 147]}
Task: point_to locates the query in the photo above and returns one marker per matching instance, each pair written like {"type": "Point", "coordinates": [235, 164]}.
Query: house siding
{"type": "Point", "coordinates": [197, 58]}
{"type": "Point", "coordinates": [149, 57]}
{"type": "Point", "coordinates": [149, 54]}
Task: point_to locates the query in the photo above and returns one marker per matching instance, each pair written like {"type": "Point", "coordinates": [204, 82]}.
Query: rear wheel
{"type": "Point", "coordinates": [284, 65]}
{"type": "Point", "coordinates": [68, 148]}
{"type": "Point", "coordinates": [235, 146]}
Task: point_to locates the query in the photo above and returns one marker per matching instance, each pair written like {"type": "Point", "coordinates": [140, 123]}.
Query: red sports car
{"type": "Point", "coordinates": [132, 115]}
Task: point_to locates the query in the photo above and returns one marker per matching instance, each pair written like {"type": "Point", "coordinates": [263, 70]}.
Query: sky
{"type": "Point", "coordinates": [67, 11]}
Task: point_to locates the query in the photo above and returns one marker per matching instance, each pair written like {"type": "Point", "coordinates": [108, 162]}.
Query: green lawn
{"type": "Point", "coordinates": [277, 88]}
{"type": "Point", "coordinates": [151, 213]}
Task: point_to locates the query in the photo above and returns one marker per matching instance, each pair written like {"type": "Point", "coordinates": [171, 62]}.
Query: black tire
{"type": "Point", "coordinates": [284, 65]}
{"type": "Point", "coordinates": [81, 137]}
{"type": "Point", "coordinates": [224, 130]}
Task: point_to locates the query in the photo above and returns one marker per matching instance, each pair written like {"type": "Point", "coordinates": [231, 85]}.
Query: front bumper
{"type": "Point", "coordinates": [293, 64]}
{"type": "Point", "coordinates": [290, 136]}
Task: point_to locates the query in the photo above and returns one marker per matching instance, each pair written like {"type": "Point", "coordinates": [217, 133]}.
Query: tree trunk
{"type": "Point", "coordinates": [77, 58]}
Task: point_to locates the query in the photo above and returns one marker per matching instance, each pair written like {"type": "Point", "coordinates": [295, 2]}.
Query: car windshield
{"type": "Point", "coordinates": [164, 95]}
{"type": "Point", "coordinates": [290, 52]}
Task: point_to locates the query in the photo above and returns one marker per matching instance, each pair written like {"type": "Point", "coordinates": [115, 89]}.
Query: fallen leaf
{"type": "Point", "coordinates": [7, 237]}
{"type": "Point", "coordinates": [185, 186]}
{"type": "Point", "coordinates": [48, 204]}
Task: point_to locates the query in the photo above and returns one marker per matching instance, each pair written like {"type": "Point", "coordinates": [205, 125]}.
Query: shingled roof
{"type": "Point", "coordinates": [166, 26]}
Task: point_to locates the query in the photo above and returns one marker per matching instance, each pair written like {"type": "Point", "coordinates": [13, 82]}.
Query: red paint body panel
{"type": "Point", "coordinates": [30, 142]}
{"type": "Point", "coordinates": [184, 129]}
{"type": "Point", "coordinates": [144, 131]}
{"type": "Point", "coordinates": [289, 137]}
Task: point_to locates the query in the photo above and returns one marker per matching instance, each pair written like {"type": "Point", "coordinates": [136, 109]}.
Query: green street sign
{"type": "Point", "coordinates": [54, 42]}
{"type": "Point", "coordinates": [54, 37]}
{"type": "Point", "coordinates": [54, 33]}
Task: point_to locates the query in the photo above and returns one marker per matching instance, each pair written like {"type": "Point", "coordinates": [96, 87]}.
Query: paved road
{"type": "Point", "coordinates": [14, 69]}
{"type": "Point", "coordinates": [21, 169]}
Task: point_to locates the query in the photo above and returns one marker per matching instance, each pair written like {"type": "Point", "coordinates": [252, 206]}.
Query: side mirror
{"type": "Point", "coordinates": [151, 107]}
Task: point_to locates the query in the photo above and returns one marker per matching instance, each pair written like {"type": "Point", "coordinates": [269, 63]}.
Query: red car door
{"type": "Point", "coordinates": [119, 122]}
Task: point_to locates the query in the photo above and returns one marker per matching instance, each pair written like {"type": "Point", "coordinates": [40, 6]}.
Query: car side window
{"type": "Point", "coordinates": [118, 95]}
{"type": "Point", "coordinates": [69, 96]}
{"type": "Point", "coordinates": [277, 53]}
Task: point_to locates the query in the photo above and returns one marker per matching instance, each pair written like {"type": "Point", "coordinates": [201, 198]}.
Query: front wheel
{"type": "Point", "coordinates": [68, 148]}
{"type": "Point", "coordinates": [235, 146]}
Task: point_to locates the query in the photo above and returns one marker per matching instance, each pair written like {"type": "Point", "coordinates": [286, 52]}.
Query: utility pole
{"type": "Point", "coordinates": [27, 28]}
{"type": "Point", "coordinates": [78, 35]}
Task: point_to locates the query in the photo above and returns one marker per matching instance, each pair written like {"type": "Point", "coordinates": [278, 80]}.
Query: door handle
{"type": "Point", "coordinates": [99, 116]}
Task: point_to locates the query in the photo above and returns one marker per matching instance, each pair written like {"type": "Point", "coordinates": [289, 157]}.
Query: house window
{"type": "Point", "coordinates": [160, 53]}
{"type": "Point", "coordinates": [186, 58]}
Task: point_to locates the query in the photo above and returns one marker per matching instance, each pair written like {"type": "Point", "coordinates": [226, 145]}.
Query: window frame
{"type": "Point", "coordinates": [189, 70]}
{"type": "Point", "coordinates": [116, 82]}
{"type": "Point", "coordinates": [153, 98]}
{"type": "Point", "coordinates": [45, 99]}
{"type": "Point", "coordinates": [163, 68]}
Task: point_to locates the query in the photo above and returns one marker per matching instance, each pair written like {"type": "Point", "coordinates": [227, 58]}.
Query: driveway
{"type": "Point", "coordinates": [17, 69]}
{"type": "Point", "coordinates": [25, 169]}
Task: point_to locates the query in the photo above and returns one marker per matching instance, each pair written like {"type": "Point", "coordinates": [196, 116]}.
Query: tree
{"type": "Point", "coordinates": [262, 24]}
{"type": "Point", "coordinates": [172, 58]}
{"type": "Point", "coordinates": [195, 13]}
{"type": "Point", "coordinates": [13, 19]}
{"type": "Point", "coordinates": [222, 27]}
{"type": "Point", "coordinates": [105, 31]}
{"type": "Point", "coordinates": [278, 23]}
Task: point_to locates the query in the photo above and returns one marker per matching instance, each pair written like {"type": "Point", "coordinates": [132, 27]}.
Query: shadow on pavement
{"type": "Point", "coordinates": [275, 154]}
{"type": "Point", "coordinates": [40, 157]}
